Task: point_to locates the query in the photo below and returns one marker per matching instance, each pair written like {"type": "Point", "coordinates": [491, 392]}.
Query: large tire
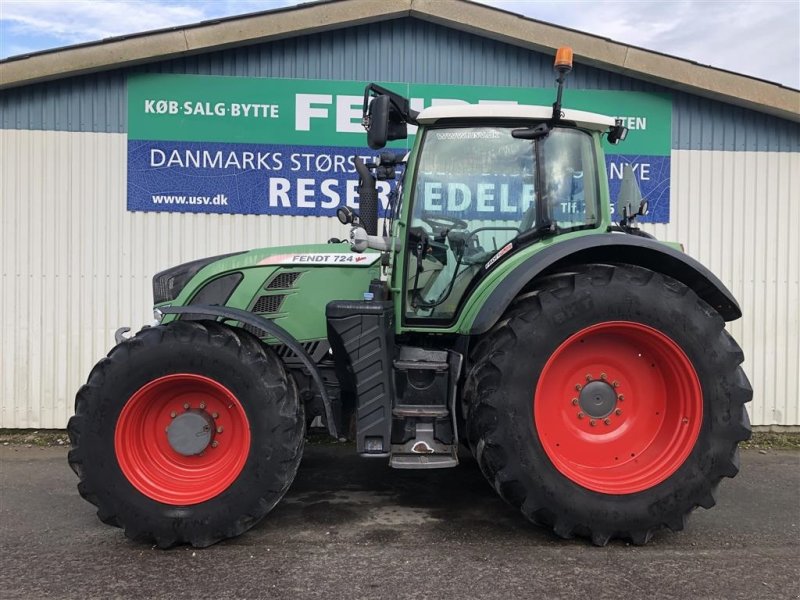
{"type": "Point", "coordinates": [239, 392]}
{"type": "Point", "coordinates": [607, 474]}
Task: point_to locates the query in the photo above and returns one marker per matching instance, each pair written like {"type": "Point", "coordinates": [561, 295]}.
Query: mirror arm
{"type": "Point", "coordinates": [628, 221]}
{"type": "Point", "coordinates": [401, 104]}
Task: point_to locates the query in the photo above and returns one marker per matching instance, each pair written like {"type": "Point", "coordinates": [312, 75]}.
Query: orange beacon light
{"type": "Point", "coordinates": [563, 61]}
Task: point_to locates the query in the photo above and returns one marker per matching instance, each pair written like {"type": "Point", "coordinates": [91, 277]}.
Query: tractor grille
{"type": "Point", "coordinates": [269, 304]}
{"type": "Point", "coordinates": [283, 281]}
{"type": "Point", "coordinates": [266, 305]}
{"type": "Point", "coordinates": [161, 289]}
{"type": "Point", "coordinates": [315, 349]}
{"type": "Point", "coordinates": [259, 333]}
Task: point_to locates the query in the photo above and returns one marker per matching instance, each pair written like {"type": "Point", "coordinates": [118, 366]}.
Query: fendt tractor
{"type": "Point", "coordinates": [584, 364]}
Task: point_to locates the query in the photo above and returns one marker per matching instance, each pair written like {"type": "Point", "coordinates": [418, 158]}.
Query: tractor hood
{"type": "Point", "coordinates": [169, 283]}
{"type": "Point", "coordinates": [290, 285]}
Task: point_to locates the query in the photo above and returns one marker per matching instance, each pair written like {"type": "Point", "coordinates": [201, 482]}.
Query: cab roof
{"type": "Point", "coordinates": [485, 112]}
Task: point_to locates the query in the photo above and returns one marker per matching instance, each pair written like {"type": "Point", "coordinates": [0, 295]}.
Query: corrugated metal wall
{"type": "Point", "coordinates": [76, 265]}
{"type": "Point", "coordinates": [737, 213]}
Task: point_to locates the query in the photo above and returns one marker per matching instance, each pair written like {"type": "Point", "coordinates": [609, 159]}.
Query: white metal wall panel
{"type": "Point", "coordinates": [738, 213]}
{"type": "Point", "coordinates": [76, 265]}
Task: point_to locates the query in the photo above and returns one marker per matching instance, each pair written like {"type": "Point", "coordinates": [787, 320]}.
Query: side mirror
{"type": "Point", "coordinates": [385, 122]}
{"type": "Point", "coordinates": [378, 130]}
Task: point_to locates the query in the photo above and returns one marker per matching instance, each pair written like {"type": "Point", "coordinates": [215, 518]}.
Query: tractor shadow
{"type": "Point", "coordinates": [338, 495]}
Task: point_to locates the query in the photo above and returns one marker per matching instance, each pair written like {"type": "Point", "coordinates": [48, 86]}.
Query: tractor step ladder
{"type": "Point", "coordinates": [423, 451]}
{"type": "Point", "coordinates": [423, 397]}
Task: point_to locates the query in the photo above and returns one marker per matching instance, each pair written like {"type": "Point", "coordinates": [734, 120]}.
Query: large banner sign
{"type": "Point", "coordinates": [208, 144]}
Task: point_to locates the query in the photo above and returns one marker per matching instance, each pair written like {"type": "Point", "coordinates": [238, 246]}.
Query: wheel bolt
{"type": "Point", "coordinates": [618, 412]}
{"type": "Point", "coordinates": [574, 401]}
{"type": "Point", "coordinates": [592, 422]}
{"type": "Point", "coordinates": [215, 415]}
{"type": "Point", "coordinates": [615, 384]}
{"type": "Point", "coordinates": [580, 415]}
{"type": "Point", "coordinates": [186, 406]}
{"type": "Point", "coordinates": [219, 429]}
{"type": "Point", "coordinates": [603, 376]}
{"type": "Point", "coordinates": [685, 420]}
{"type": "Point", "coordinates": [202, 405]}
{"type": "Point", "coordinates": [588, 377]}
{"type": "Point", "coordinates": [621, 398]}
{"type": "Point", "coordinates": [214, 444]}
{"type": "Point", "coordinates": [173, 414]}
{"type": "Point", "coordinates": [607, 421]}
{"type": "Point", "coordinates": [578, 387]}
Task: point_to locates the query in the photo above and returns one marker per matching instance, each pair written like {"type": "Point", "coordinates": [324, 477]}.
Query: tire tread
{"type": "Point", "coordinates": [485, 433]}
{"type": "Point", "coordinates": [288, 427]}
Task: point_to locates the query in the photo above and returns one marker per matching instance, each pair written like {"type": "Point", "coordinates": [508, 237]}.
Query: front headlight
{"type": "Point", "coordinates": [168, 283]}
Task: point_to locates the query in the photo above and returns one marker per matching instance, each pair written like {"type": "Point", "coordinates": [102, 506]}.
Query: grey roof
{"type": "Point", "coordinates": [303, 19]}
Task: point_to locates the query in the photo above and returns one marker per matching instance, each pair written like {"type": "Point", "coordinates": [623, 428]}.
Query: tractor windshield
{"type": "Point", "coordinates": [476, 189]}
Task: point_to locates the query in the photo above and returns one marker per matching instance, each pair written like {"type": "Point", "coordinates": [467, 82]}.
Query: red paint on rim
{"type": "Point", "coordinates": [151, 465]}
{"type": "Point", "coordinates": [656, 419]}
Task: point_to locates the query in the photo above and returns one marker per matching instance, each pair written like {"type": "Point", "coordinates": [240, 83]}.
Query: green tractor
{"type": "Point", "coordinates": [503, 306]}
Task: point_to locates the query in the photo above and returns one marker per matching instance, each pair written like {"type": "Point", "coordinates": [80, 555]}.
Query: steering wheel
{"type": "Point", "coordinates": [443, 222]}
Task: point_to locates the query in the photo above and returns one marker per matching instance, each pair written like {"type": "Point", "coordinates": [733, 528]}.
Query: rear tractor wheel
{"type": "Point", "coordinates": [186, 433]}
{"type": "Point", "coordinates": [607, 403]}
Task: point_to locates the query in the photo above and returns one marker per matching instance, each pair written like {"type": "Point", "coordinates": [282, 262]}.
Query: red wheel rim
{"type": "Point", "coordinates": [655, 400]}
{"type": "Point", "coordinates": [149, 461]}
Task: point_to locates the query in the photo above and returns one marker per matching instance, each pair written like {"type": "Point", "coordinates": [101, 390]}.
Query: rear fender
{"type": "Point", "coordinates": [608, 248]}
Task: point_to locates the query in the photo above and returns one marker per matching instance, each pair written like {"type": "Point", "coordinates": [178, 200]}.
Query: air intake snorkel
{"type": "Point", "coordinates": [367, 197]}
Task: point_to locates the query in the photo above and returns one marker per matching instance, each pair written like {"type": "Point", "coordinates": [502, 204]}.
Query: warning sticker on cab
{"type": "Point", "coordinates": [322, 258]}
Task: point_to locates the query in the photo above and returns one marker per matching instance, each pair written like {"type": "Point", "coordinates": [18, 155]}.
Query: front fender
{"type": "Point", "coordinates": [607, 248]}
{"type": "Point", "coordinates": [248, 318]}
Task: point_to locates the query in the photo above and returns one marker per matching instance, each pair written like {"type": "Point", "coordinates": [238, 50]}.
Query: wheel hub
{"type": "Point", "coordinates": [190, 433]}
{"type": "Point", "coordinates": [169, 439]}
{"type": "Point", "coordinates": [597, 399]}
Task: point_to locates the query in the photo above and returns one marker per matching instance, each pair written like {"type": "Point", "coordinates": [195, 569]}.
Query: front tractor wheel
{"type": "Point", "coordinates": [186, 433]}
{"type": "Point", "coordinates": [608, 402]}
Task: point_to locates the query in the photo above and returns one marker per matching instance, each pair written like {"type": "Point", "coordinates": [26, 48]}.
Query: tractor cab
{"type": "Point", "coordinates": [477, 192]}
{"type": "Point", "coordinates": [482, 183]}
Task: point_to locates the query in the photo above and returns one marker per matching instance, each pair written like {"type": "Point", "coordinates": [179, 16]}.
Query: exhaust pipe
{"type": "Point", "coordinates": [367, 198]}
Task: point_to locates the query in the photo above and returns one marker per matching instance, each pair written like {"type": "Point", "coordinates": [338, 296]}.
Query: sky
{"type": "Point", "coordinates": [757, 38]}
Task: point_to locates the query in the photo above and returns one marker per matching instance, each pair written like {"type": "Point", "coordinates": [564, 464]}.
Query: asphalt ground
{"type": "Point", "coordinates": [353, 528]}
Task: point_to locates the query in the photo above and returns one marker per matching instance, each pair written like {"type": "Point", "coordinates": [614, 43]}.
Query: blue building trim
{"type": "Point", "coordinates": [403, 49]}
